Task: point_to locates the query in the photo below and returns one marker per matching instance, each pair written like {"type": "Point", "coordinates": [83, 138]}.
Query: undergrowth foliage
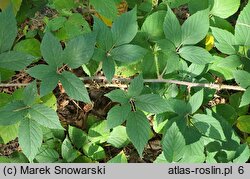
{"type": "Point", "coordinates": [208, 43]}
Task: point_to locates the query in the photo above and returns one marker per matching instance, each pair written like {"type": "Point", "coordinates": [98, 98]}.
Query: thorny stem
{"type": "Point", "coordinates": [123, 80]}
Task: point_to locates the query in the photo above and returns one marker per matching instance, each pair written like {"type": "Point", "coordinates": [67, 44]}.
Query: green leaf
{"type": "Point", "coordinates": [83, 159]}
{"type": "Point", "coordinates": [50, 101]}
{"type": "Point", "coordinates": [242, 32]}
{"type": "Point", "coordinates": [118, 137]}
{"type": "Point", "coordinates": [161, 159]}
{"type": "Point", "coordinates": [108, 67]}
{"type": "Point", "coordinates": [196, 101]}
{"type": "Point", "coordinates": [172, 28]}
{"type": "Point", "coordinates": [242, 78]}
{"type": "Point", "coordinates": [136, 86]}
{"type": "Point", "coordinates": [176, 3]}
{"type": "Point", "coordinates": [79, 50]}
{"type": "Point", "coordinates": [225, 41]}
{"type": "Point", "coordinates": [68, 152]}
{"type": "Point", "coordinates": [119, 158]}
{"type": "Point", "coordinates": [94, 151]}
{"type": "Point", "coordinates": [118, 95]}
{"type": "Point", "coordinates": [166, 46]}
{"type": "Point", "coordinates": [15, 61]}
{"type": "Point", "coordinates": [138, 130]}
{"type": "Point", "coordinates": [30, 137]}
{"type": "Point", "coordinates": [242, 154]}
{"type": "Point", "coordinates": [224, 67]}
{"type": "Point", "coordinates": [74, 26]}
{"type": "Point", "coordinates": [99, 132]}
{"type": "Point", "coordinates": [55, 23]}
{"type": "Point", "coordinates": [197, 5]}
{"type": "Point", "coordinates": [226, 111]}
{"type": "Point", "coordinates": [104, 36]}
{"type": "Point", "coordinates": [30, 93]}
{"type": "Point", "coordinates": [196, 55]}
{"type": "Point", "coordinates": [243, 123]}
{"type": "Point", "coordinates": [8, 30]}
{"type": "Point", "coordinates": [52, 50]}
{"type": "Point", "coordinates": [194, 153]}
{"type": "Point", "coordinates": [221, 23]}
{"type": "Point", "coordinates": [74, 87]}
{"type": "Point", "coordinates": [5, 75]}
{"type": "Point", "coordinates": [48, 75]}
{"type": "Point", "coordinates": [195, 28]}
{"type": "Point", "coordinates": [195, 70]}
{"type": "Point", "coordinates": [173, 144]}
{"type": "Point", "coordinates": [77, 136]}
{"type": "Point", "coordinates": [128, 53]}
{"type": "Point", "coordinates": [154, 20]}
{"type": "Point", "coordinates": [45, 116]}
{"type": "Point", "coordinates": [40, 71]}
{"type": "Point", "coordinates": [235, 100]}
{"type": "Point", "coordinates": [209, 126]}
{"type": "Point", "coordinates": [64, 5]}
{"type": "Point", "coordinates": [47, 155]}
{"type": "Point", "coordinates": [8, 133]}
{"type": "Point", "coordinates": [245, 100]}
{"type": "Point", "coordinates": [49, 84]}
{"type": "Point", "coordinates": [29, 46]}
{"type": "Point", "coordinates": [224, 9]}
{"type": "Point", "coordinates": [117, 115]}
{"type": "Point", "coordinates": [152, 103]}
{"type": "Point", "coordinates": [128, 70]}
{"type": "Point", "coordinates": [125, 28]}
{"type": "Point", "coordinates": [5, 99]}
{"type": "Point", "coordinates": [106, 8]}
{"type": "Point", "coordinates": [12, 113]}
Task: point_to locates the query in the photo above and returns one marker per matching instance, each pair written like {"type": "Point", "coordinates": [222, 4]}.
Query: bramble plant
{"type": "Point", "coordinates": [164, 65]}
